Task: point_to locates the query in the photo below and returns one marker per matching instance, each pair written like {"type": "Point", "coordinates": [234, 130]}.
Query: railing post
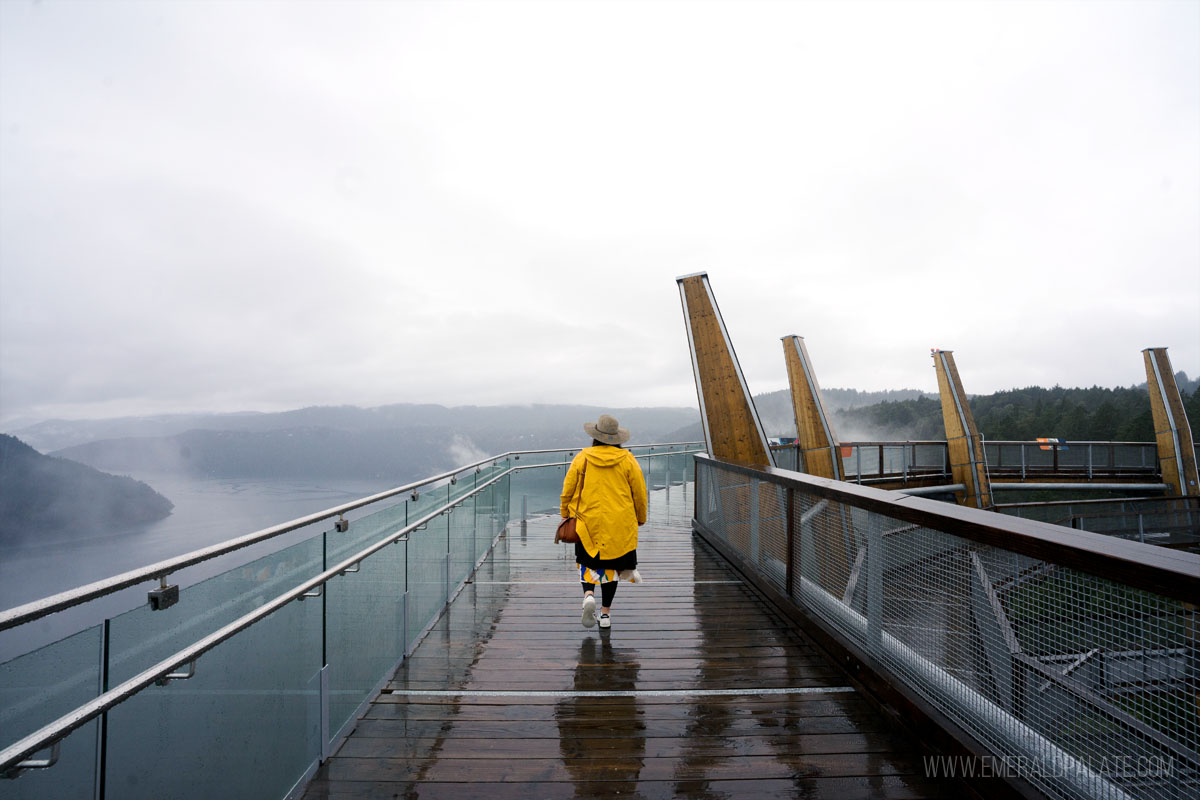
{"type": "Point", "coordinates": [754, 514]}
{"type": "Point", "coordinates": [326, 750]}
{"type": "Point", "coordinates": [874, 588]}
{"type": "Point", "coordinates": [102, 722]}
{"type": "Point", "coordinates": [790, 528]}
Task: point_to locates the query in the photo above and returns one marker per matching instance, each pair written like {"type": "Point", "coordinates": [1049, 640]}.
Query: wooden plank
{"type": "Point", "coordinates": [898, 787]}
{"type": "Point", "coordinates": [577, 763]}
{"type": "Point", "coordinates": [583, 726]}
{"type": "Point", "coordinates": [546, 742]}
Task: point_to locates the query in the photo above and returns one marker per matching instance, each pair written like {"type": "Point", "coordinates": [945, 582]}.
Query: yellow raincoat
{"type": "Point", "coordinates": [613, 503]}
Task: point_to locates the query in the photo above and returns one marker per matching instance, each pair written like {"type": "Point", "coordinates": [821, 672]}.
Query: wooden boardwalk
{"type": "Point", "coordinates": [699, 689]}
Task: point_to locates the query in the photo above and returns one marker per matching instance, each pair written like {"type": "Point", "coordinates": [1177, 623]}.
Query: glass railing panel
{"type": "Point", "coordinates": [787, 458]}
{"type": "Point", "coordinates": [537, 491]}
{"type": "Point", "coordinates": [367, 529]}
{"type": "Point", "coordinates": [247, 721]}
{"type": "Point", "coordinates": [142, 637]}
{"type": "Point", "coordinates": [364, 630]}
{"type": "Point", "coordinates": [1073, 457]}
{"type": "Point", "coordinates": [484, 514]}
{"type": "Point", "coordinates": [1038, 456]}
{"type": "Point", "coordinates": [929, 456]}
{"type": "Point", "coordinates": [430, 499]}
{"type": "Point", "coordinates": [36, 689]}
{"type": "Point", "coordinates": [427, 559]}
{"type": "Point", "coordinates": [463, 537]}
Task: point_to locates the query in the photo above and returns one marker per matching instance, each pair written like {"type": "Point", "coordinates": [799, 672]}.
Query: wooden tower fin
{"type": "Point", "coordinates": [965, 445]}
{"type": "Point", "coordinates": [814, 430]}
{"type": "Point", "coordinates": [1172, 432]}
{"type": "Point", "coordinates": [732, 429]}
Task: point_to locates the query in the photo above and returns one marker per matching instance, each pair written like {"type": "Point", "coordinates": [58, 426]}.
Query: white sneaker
{"type": "Point", "coordinates": [605, 622]}
{"type": "Point", "coordinates": [631, 575]}
{"type": "Point", "coordinates": [588, 618]}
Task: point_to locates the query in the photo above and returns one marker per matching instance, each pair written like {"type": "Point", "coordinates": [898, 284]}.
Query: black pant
{"type": "Point", "coordinates": [607, 592]}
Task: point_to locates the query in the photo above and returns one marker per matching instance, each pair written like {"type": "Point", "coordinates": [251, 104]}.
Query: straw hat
{"type": "Point", "coordinates": [606, 430]}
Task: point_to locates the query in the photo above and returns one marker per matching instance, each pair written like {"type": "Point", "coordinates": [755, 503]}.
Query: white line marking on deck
{"type": "Point", "coordinates": [630, 693]}
{"type": "Point", "coordinates": [576, 583]}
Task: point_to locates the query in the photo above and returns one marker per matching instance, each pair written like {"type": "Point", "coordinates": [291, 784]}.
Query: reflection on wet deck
{"type": "Point", "coordinates": [698, 690]}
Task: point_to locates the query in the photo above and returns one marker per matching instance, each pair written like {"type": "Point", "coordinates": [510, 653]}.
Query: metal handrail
{"type": "Point", "coordinates": [54, 731]}
{"type": "Point", "coordinates": [36, 609]}
{"type": "Point", "coordinates": [1170, 573]}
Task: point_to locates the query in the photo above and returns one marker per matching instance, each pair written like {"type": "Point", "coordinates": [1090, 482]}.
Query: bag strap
{"type": "Point", "coordinates": [582, 478]}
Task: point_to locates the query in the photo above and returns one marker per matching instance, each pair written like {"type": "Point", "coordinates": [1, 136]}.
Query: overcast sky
{"type": "Point", "coordinates": [260, 206]}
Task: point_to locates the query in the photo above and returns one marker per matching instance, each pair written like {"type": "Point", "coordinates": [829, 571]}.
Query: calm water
{"type": "Point", "coordinates": [206, 512]}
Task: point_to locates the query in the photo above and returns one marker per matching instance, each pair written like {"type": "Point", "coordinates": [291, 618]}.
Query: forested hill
{"type": "Point", "coordinates": [44, 495]}
{"type": "Point", "coordinates": [1095, 414]}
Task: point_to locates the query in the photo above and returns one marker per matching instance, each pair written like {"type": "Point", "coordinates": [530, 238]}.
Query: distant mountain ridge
{"type": "Point", "coordinates": [391, 443]}
{"type": "Point", "coordinates": [488, 426]}
{"type": "Point", "coordinates": [43, 495]}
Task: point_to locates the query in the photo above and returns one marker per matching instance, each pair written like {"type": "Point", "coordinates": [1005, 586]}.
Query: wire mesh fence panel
{"type": "Point", "coordinates": [1084, 686]}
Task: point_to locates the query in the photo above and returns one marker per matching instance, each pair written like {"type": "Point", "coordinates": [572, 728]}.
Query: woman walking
{"type": "Point", "coordinates": [605, 488]}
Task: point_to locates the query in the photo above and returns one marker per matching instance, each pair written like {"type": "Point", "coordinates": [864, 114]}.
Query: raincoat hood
{"type": "Point", "coordinates": [605, 456]}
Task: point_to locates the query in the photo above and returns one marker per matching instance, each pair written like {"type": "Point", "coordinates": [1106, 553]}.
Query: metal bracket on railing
{"type": "Point", "coordinates": [34, 763]}
{"type": "Point", "coordinates": [313, 592]}
{"type": "Point", "coordinates": [415, 495]}
{"type": "Point", "coordinates": [177, 676]}
{"type": "Point", "coordinates": [453, 479]}
{"type": "Point", "coordinates": [342, 525]}
{"type": "Point", "coordinates": [357, 566]}
{"type": "Point", "coordinates": [164, 596]}
{"type": "Point", "coordinates": [421, 527]}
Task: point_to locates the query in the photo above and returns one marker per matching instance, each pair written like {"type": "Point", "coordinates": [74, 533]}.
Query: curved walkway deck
{"type": "Point", "coordinates": [699, 689]}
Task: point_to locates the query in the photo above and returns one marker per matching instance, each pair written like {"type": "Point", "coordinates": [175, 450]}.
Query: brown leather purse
{"type": "Point", "coordinates": [566, 532]}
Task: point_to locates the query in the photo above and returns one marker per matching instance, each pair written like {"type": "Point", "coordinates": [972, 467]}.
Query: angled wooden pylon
{"type": "Point", "coordinates": [732, 429]}
{"type": "Point", "coordinates": [965, 445]}
{"type": "Point", "coordinates": [1172, 432]}
{"type": "Point", "coordinates": [814, 430]}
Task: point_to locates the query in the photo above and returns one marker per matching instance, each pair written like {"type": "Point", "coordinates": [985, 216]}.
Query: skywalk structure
{"type": "Point", "coordinates": [1067, 658]}
{"type": "Point", "coordinates": [814, 623]}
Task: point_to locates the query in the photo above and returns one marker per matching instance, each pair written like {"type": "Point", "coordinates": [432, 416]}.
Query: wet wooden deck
{"type": "Point", "coordinates": [699, 689]}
